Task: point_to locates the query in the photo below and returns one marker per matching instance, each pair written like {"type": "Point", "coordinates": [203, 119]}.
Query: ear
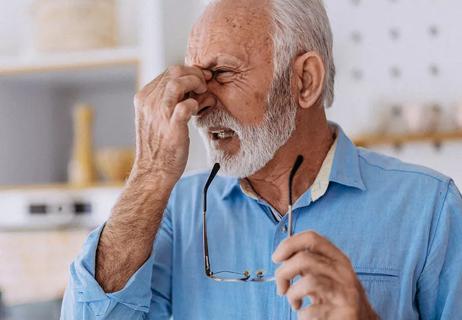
{"type": "Point", "coordinates": [309, 73]}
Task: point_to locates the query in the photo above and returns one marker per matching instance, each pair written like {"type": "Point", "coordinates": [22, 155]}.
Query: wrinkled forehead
{"type": "Point", "coordinates": [230, 32]}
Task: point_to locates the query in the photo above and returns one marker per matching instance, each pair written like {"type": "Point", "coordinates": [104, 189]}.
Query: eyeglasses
{"type": "Point", "coordinates": [246, 276]}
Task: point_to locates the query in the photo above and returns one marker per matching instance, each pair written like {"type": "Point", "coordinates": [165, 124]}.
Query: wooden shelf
{"type": "Point", "coordinates": [74, 69]}
{"type": "Point", "coordinates": [62, 187]}
{"type": "Point", "coordinates": [371, 140]}
{"type": "Point", "coordinates": [69, 61]}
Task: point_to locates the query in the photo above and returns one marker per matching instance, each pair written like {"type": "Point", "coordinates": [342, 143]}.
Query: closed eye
{"type": "Point", "coordinates": [223, 75]}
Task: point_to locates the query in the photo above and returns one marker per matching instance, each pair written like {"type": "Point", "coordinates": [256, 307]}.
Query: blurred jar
{"type": "Point", "coordinates": [413, 114]}
{"type": "Point", "coordinates": [115, 164]}
{"type": "Point", "coordinates": [72, 25]}
{"type": "Point", "coordinates": [428, 118]}
{"type": "Point", "coordinates": [394, 121]}
{"type": "Point", "coordinates": [457, 116]}
{"type": "Point", "coordinates": [432, 119]}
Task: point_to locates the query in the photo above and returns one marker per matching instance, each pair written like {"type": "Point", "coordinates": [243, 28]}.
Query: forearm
{"type": "Point", "coordinates": [127, 239]}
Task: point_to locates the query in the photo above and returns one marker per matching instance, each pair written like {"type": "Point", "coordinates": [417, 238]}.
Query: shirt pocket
{"type": "Point", "coordinates": [382, 286]}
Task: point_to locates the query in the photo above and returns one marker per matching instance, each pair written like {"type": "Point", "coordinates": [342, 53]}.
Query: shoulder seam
{"type": "Point", "coordinates": [453, 189]}
{"type": "Point", "coordinates": [404, 171]}
{"type": "Point", "coordinates": [432, 236]}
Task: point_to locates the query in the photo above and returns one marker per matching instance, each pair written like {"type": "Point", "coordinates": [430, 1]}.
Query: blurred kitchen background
{"type": "Point", "coordinates": [69, 70]}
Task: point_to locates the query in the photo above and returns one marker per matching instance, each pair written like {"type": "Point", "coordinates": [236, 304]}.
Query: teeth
{"type": "Point", "coordinates": [222, 134]}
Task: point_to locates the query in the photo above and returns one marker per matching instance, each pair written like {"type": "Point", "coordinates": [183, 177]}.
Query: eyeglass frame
{"type": "Point", "coordinates": [246, 275]}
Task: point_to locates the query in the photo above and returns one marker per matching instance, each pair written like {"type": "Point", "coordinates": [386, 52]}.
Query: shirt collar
{"type": "Point", "coordinates": [341, 165]}
{"type": "Point", "coordinates": [345, 169]}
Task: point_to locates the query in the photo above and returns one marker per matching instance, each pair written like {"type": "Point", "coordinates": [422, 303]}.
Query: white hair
{"type": "Point", "coordinates": [300, 26]}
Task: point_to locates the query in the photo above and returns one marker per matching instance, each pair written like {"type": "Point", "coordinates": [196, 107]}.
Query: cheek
{"type": "Point", "coordinates": [244, 103]}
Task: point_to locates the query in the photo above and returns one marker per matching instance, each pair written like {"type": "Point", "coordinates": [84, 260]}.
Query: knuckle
{"type": "Point", "coordinates": [173, 85]}
{"type": "Point", "coordinates": [183, 110]}
{"type": "Point", "coordinates": [306, 256]}
{"type": "Point", "coordinates": [300, 261]}
{"type": "Point", "coordinates": [183, 113]}
{"type": "Point", "coordinates": [310, 239]}
{"type": "Point", "coordinates": [278, 273]}
{"type": "Point", "coordinates": [194, 103]}
{"type": "Point", "coordinates": [311, 236]}
{"type": "Point", "coordinates": [174, 70]}
{"type": "Point", "coordinates": [308, 281]}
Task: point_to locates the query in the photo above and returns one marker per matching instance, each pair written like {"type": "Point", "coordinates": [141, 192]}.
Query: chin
{"type": "Point", "coordinates": [233, 165]}
{"type": "Point", "coordinates": [236, 159]}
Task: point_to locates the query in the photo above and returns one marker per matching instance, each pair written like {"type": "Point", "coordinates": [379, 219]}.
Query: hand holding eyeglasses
{"type": "Point", "coordinates": [326, 277]}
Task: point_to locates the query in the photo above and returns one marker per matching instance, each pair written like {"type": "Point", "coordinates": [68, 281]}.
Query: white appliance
{"type": "Point", "coordinates": [56, 208]}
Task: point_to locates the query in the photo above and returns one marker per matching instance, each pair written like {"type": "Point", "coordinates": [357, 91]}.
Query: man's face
{"type": "Point", "coordinates": [242, 130]}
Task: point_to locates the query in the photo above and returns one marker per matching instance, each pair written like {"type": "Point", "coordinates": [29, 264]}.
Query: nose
{"type": "Point", "coordinates": [206, 101]}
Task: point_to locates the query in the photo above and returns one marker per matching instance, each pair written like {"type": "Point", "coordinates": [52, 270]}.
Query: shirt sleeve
{"type": "Point", "coordinates": [439, 288]}
{"type": "Point", "coordinates": [147, 294]}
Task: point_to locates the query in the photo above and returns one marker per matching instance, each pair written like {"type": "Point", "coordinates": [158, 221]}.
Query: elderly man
{"type": "Point", "coordinates": [351, 235]}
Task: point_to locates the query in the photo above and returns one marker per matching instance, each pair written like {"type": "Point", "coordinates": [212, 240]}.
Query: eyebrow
{"type": "Point", "coordinates": [222, 59]}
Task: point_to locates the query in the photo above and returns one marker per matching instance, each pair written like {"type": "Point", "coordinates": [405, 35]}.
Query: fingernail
{"type": "Point", "coordinates": [275, 259]}
{"type": "Point", "coordinates": [208, 74]}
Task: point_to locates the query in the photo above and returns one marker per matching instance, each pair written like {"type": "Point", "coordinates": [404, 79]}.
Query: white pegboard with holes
{"type": "Point", "coordinates": [398, 52]}
{"type": "Point", "coordinates": [392, 52]}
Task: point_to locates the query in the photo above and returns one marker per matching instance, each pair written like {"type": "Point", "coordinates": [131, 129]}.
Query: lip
{"type": "Point", "coordinates": [219, 129]}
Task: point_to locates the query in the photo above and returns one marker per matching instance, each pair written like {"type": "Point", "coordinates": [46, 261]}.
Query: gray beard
{"type": "Point", "coordinates": [258, 143]}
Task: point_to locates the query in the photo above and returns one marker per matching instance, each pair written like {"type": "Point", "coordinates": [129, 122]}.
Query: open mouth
{"type": "Point", "coordinates": [218, 134]}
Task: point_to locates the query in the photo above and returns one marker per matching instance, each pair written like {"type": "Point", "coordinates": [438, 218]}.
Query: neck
{"type": "Point", "coordinates": [312, 139]}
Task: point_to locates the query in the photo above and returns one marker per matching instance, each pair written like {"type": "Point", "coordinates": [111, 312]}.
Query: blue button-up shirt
{"type": "Point", "coordinates": [400, 225]}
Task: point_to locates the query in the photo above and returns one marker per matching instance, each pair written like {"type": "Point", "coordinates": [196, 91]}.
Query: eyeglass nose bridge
{"type": "Point", "coordinates": [246, 277]}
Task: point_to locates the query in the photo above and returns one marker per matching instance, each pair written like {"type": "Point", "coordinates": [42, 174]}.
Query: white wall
{"type": "Point", "coordinates": [27, 135]}
{"type": "Point", "coordinates": [360, 102]}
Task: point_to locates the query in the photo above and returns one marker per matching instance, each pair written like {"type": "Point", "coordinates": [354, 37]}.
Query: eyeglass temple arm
{"type": "Point", "coordinates": [297, 164]}
{"type": "Point", "coordinates": [215, 169]}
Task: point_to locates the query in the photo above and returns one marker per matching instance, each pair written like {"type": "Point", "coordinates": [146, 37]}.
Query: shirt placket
{"type": "Point", "coordinates": [281, 307]}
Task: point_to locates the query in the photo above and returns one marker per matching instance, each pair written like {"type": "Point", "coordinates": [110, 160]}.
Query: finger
{"type": "Point", "coordinates": [184, 111]}
{"type": "Point", "coordinates": [315, 311]}
{"type": "Point", "coordinates": [176, 90]}
{"type": "Point", "coordinates": [150, 87]}
{"type": "Point", "coordinates": [318, 288]}
{"type": "Point", "coordinates": [177, 71]}
{"type": "Point", "coordinates": [172, 72]}
{"type": "Point", "coordinates": [302, 263]}
{"type": "Point", "coordinates": [310, 241]}
{"type": "Point", "coordinates": [208, 75]}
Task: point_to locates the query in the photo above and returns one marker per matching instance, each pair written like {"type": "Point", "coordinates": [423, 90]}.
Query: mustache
{"type": "Point", "coordinates": [217, 118]}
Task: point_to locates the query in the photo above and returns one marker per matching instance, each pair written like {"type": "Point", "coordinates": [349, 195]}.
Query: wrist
{"type": "Point", "coordinates": [152, 177]}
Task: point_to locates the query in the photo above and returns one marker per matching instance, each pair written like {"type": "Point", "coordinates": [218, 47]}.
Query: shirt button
{"type": "Point", "coordinates": [284, 228]}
